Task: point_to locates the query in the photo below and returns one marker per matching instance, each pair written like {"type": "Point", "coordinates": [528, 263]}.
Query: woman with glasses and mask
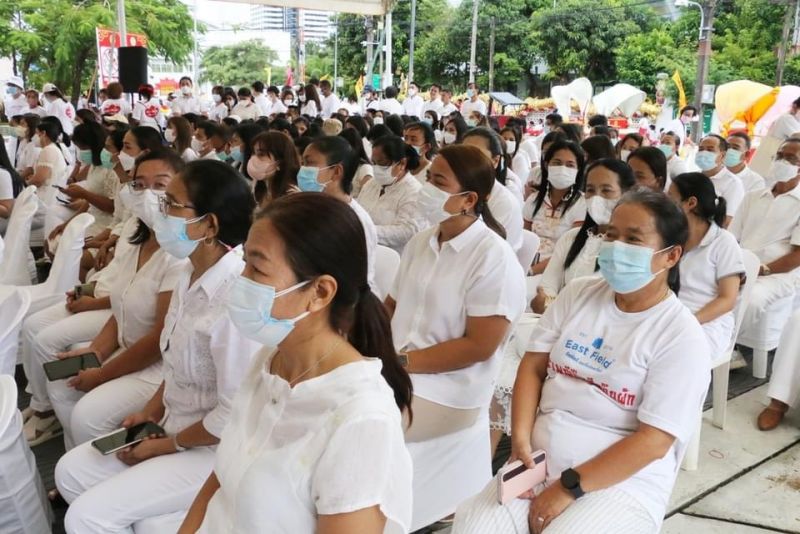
{"type": "Point", "coordinates": [205, 212]}
{"type": "Point", "coordinates": [611, 388]}
{"type": "Point", "coordinates": [96, 400]}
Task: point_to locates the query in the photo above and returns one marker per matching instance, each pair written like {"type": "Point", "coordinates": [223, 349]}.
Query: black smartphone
{"type": "Point", "coordinates": [62, 201]}
{"type": "Point", "coordinates": [60, 369]}
{"type": "Point", "coordinates": [84, 290]}
{"type": "Point", "coordinates": [125, 437]}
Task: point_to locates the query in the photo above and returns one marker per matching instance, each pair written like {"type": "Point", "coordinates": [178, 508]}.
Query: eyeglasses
{"type": "Point", "coordinates": [138, 186]}
{"type": "Point", "coordinates": [165, 204]}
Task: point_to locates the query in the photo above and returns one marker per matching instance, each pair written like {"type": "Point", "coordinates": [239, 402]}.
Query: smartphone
{"type": "Point", "coordinates": [84, 290]}
{"type": "Point", "coordinates": [515, 479]}
{"type": "Point", "coordinates": [125, 437]}
{"type": "Point", "coordinates": [60, 369]}
{"type": "Point", "coordinates": [62, 201]}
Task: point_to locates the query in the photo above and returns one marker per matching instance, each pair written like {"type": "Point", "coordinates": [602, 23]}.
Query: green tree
{"type": "Point", "coordinates": [319, 61]}
{"type": "Point", "coordinates": [54, 40]}
{"type": "Point", "coordinates": [641, 56]}
{"type": "Point", "coordinates": [240, 63]}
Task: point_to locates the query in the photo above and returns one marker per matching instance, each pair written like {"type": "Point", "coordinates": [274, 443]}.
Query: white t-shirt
{"type": "Point", "coordinates": [189, 155]}
{"type": "Point", "coordinates": [149, 113]}
{"type": "Point", "coordinates": [556, 276]}
{"type": "Point", "coordinates": [468, 106]}
{"type": "Point", "coordinates": [391, 106]}
{"type": "Point", "coordinates": [330, 445]}
{"type": "Point", "coordinates": [550, 224]}
{"type": "Point", "coordinates": [716, 257]}
{"type": "Point", "coordinates": [330, 105]}
{"type": "Point", "coordinates": [751, 180]}
{"type": "Point", "coordinates": [112, 106]}
{"type": "Point", "coordinates": [507, 210]}
{"type": "Point", "coordinates": [16, 105]}
{"type": "Point", "coordinates": [246, 110]}
{"type": "Point", "coordinates": [372, 240]}
{"type": "Point", "coordinates": [514, 184]}
{"type": "Point", "coordinates": [218, 112]}
{"type": "Point", "coordinates": [27, 155]}
{"type": "Point", "coordinates": [6, 186]}
{"type": "Point", "coordinates": [309, 108]}
{"type": "Point", "coordinates": [729, 187]}
{"type": "Point", "coordinates": [676, 166]}
{"type": "Point", "coordinates": [394, 210]}
{"type": "Point", "coordinates": [531, 148]}
{"type": "Point", "coordinates": [608, 372]}
{"type": "Point", "coordinates": [768, 225]}
{"type": "Point", "coordinates": [475, 274]}
{"type": "Point", "coordinates": [434, 105]}
{"type": "Point", "coordinates": [521, 164]}
{"type": "Point", "coordinates": [364, 170]}
{"type": "Point", "coordinates": [447, 109]}
{"type": "Point", "coordinates": [64, 112]}
{"type": "Point", "coordinates": [413, 106]}
{"type": "Point", "coordinates": [51, 157]}
{"type": "Point", "coordinates": [185, 104]}
{"type": "Point", "coordinates": [264, 105]}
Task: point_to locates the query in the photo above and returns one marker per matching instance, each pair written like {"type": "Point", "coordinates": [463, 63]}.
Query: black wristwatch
{"type": "Point", "coordinates": [403, 358]}
{"type": "Point", "coordinates": [571, 481]}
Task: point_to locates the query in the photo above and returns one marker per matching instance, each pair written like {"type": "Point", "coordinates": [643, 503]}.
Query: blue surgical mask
{"type": "Point", "coordinates": [171, 235]}
{"type": "Point", "coordinates": [733, 157]}
{"type": "Point", "coordinates": [105, 159]}
{"type": "Point", "coordinates": [427, 120]}
{"type": "Point", "coordinates": [11, 90]}
{"type": "Point", "coordinates": [626, 267]}
{"type": "Point", "coordinates": [706, 160]}
{"type": "Point", "coordinates": [236, 154]}
{"type": "Point", "coordinates": [250, 308]}
{"type": "Point", "coordinates": [470, 93]}
{"type": "Point", "coordinates": [666, 149]}
{"type": "Point", "coordinates": [307, 179]}
{"type": "Point", "coordinates": [417, 149]}
{"type": "Point", "coordinates": [472, 123]}
{"type": "Point", "coordinates": [85, 157]}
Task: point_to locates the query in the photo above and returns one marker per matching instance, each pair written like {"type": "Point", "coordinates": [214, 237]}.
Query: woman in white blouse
{"type": "Point", "coordinates": [96, 400]}
{"type": "Point", "coordinates": [220, 109]}
{"type": "Point", "coordinates": [206, 211]}
{"type": "Point", "coordinates": [315, 439]}
{"type": "Point", "coordinates": [179, 135]}
{"type": "Point", "coordinates": [364, 173]}
{"type": "Point", "coordinates": [28, 149]}
{"type": "Point", "coordinates": [712, 267]}
{"type": "Point", "coordinates": [611, 389]}
{"type": "Point", "coordinates": [11, 185]}
{"type": "Point", "coordinates": [575, 253]}
{"type": "Point", "coordinates": [390, 197]}
{"type": "Point", "coordinates": [459, 289]}
{"type": "Point", "coordinates": [421, 138]}
{"type": "Point", "coordinates": [51, 165]}
{"type": "Point", "coordinates": [308, 97]}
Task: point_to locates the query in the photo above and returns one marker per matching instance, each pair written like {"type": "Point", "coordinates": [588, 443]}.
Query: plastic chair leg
{"type": "Point", "coordinates": [759, 363]}
{"type": "Point", "coordinates": [721, 374]}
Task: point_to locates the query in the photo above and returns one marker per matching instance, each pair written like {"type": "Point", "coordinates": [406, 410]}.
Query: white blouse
{"type": "Point", "coordinates": [549, 223]}
{"type": "Point", "coordinates": [394, 210]}
{"type": "Point", "coordinates": [555, 276]}
{"type": "Point", "coordinates": [330, 445]}
{"type": "Point", "coordinates": [218, 112]}
{"type": "Point", "coordinates": [475, 274]}
{"type": "Point", "coordinates": [104, 182]}
{"type": "Point", "coordinates": [205, 356]}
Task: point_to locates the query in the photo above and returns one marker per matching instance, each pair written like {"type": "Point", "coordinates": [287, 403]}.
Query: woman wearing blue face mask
{"type": "Point", "coordinates": [206, 210]}
{"type": "Point", "coordinates": [326, 390]}
{"type": "Point", "coordinates": [329, 166]}
{"type": "Point", "coordinates": [420, 137]}
{"type": "Point", "coordinates": [611, 388]}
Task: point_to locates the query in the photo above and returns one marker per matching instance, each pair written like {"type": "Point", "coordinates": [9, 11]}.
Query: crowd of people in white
{"type": "Point", "coordinates": [236, 292]}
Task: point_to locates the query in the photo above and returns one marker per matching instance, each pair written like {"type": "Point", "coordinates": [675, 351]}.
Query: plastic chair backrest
{"type": "Point", "coordinates": [14, 305]}
{"type": "Point", "coordinates": [751, 267]}
{"type": "Point", "coordinates": [66, 264]}
{"type": "Point", "coordinates": [2, 248]}
{"type": "Point", "coordinates": [387, 262]}
{"type": "Point", "coordinates": [528, 250]}
{"type": "Point", "coordinates": [8, 408]}
{"type": "Point", "coordinates": [14, 267]}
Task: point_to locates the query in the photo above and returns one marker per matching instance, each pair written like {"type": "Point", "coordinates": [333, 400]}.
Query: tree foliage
{"type": "Point", "coordinates": [237, 64]}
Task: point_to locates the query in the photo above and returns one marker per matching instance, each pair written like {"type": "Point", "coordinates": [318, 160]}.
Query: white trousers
{"type": "Point", "coordinates": [88, 416]}
{"type": "Point", "coordinates": [106, 496]}
{"type": "Point", "coordinates": [784, 385]}
{"type": "Point", "coordinates": [608, 511]}
{"type": "Point", "coordinates": [49, 331]}
{"type": "Point", "coordinates": [759, 329]}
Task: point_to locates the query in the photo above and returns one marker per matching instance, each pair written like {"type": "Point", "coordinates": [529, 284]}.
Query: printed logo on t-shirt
{"type": "Point", "coordinates": [151, 111]}
{"type": "Point", "coordinates": [68, 112]}
{"type": "Point", "coordinates": [112, 109]}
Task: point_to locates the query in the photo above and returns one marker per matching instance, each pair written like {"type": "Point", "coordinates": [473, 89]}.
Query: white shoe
{"type": "Point", "coordinates": [38, 430]}
{"type": "Point", "coordinates": [737, 360]}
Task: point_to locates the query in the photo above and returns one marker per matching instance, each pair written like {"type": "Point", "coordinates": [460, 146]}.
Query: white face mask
{"type": "Point", "coordinates": [197, 145]}
{"type": "Point", "coordinates": [511, 146]}
{"type": "Point", "coordinates": [382, 175]}
{"type": "Point", "coordinates": [431, 201]}
{"type": "Point", "coordinates": [600, 209]}
{"type": "Point", "coordinates": [144, 205]}
{"type": "Point", "coordinates": [302, 98]}
{"type": "Point", "coordinates": [449, 138]}
{"type": "Point", "coordinates": [561, 177]}
{"type": "Point", "coordinates": [377, 120]}
{"type": "Point", "coordinates": [217, 98]}
{"type": "Point", "coordinates": [623, 154]}
{"type": "Point", "coordinates": [782, 171]}
{"type": "Point", "coordinates": [126, 161]}
{"type": "Point", "coordinates": [288, 102]}
{"type": "Point", "coordinates": [169, 135]}
{"type": "Point", "coordinates": [186, 90]}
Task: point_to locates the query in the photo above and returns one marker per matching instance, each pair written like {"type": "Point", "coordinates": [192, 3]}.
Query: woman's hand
{"type": "Point", "coordinates": [548, 505]}
{"type": "Point", "coordinates": [151, 447]}
{"type": "Point", "coordinates": [138, 418]}
{"type": "Point", "coordinates": [87, 379]}
{"type": "Point", "coordinates": [74, 191]}
{"type": "Point", "coordinates": [521, 450]}
{"type": "Point", "coordinates": [104, 255]}
{"type": "Point", "coordinates": [82, 304]}
{"type": "Point", "coordinates": [78, 205]}
{"type": "Point", "coordinates": [58, 230]}
{"type": "Point", "coordinates": [77, 352]}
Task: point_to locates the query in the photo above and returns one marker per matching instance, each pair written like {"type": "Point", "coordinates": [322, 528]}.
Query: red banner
{"type": "Point", "coordinates": [107, 43]}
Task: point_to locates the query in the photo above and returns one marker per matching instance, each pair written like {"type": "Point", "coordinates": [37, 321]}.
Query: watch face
{"type": "Point", "coordinates": [403, 358]}
{"type": "Point", "coordinates": [570, 478]}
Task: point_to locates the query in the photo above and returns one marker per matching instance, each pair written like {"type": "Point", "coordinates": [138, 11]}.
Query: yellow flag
{"type": "Point", "coordinates": [269, 76]}
{"type": "Point", "coordinates": [681, 93]}
{"type": "Point", "coordinates": [359, 85]}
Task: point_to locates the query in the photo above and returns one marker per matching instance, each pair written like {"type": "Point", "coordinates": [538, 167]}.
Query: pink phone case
{"type": "Point", "coordinates": [515, 479]}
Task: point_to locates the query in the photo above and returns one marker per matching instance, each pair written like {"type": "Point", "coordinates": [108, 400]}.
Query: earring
{"type": "Point", "coordinates": [209, 241]}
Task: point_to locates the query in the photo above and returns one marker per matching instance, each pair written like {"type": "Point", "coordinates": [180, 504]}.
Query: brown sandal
{"type": "Point", "coordinates": [770, 418]}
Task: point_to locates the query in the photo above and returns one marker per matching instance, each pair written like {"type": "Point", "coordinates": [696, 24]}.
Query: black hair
{"type": "Point", "coordinates": [284, 125]}
{"type": "Point", "coordinates": [118, 138]}
{"type": "Point", "coordinates": [723, 143]}
{"type": "Point", "coordinates": [684, 109]}
{"type": "Point", "coordinates": [182, 78]}
{"type": "Point", "coordinates": [17, 183]}
{"type": "Point", "coordinates": [31, 121]}
{"type": "Point", "coordinates": [427, 133]}
{"type": "Point", "coordinates": [215, 187]}
{"type": "Point", "coordinates": [434, 118]}
{"type": "Point", "coordinates": [354, 138]}
{"type": "Point", "coordinates": [147, 138]}
{"type": "Point", "coordinates": [174, 162]}
{"type": "Point", "coordinates": [710, 207]}
{"type": "Point", "coordinates": [554, 118]}
{"type": "Point", "coordinates": [495, 149]}
{"type": "Point", "coordinates": [461, 127]}
{"type": "Point", "coordinates": [247, 132]}
{"type": "Point", "coordinates": [625, 180]}
{"type": "Point", "coordinates": [338, 151]}
{"type": "Point", "coordinates": [258, 87]}
{"type": "Point", "coordinates": [573, 132]}
{"type": "Point", "coordinates": [655, 159]}
{"type": "Point", "coordinates": [53, 129]}
{"type": "Point", "coordinates": [359, 123]}
{"type": "Point", "coordinates": [744, 136]}
{"type": "Point", "coordinates": [671, 223]}
{"type": "Point", "coordinates": [378, 131]}
{"type": "Point", "coordinates": [601, 130]}
{"type": "Point", "coordinates": [390, 92]}
{"type": "Point", "coordinates": [396, 150]}
{"type": "Point", "coordinates": [92, 135]}
{"type": "Point", "coordinates": [214, 129]}
{"type": "Point", "coordinates": [323, 236]}
{"type": "Point", "coordinates": [598, 120]}
{"type": "Point", "coordinates": [394, 123]}
{"type": "Point", "coordinates": [193, 118]}
{"type": "Point", "coordinates": [517, 133]}
{"type": "Point", "coordinates": [598, 147]}
{"type": "Point", "coordinates": [575, 190]}
{"type": "Point", "coordinates": [676, 138]}
{"type": "Point", "coordinates": [86, 115]}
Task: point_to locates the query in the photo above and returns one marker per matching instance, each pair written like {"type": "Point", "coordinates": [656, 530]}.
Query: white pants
{"type": "Point", "coordinates": [767, 291]}
{"type": "Point", "coordinates": [49, 331]}
{"type": "Point", "coordinates": [608, 511]}
{"type": "Point", "coordinates": [107, 496]}
{"type": "Point", "coordinates": [784, 385]}
{"type": "Point", "coordinates": [88, 416]}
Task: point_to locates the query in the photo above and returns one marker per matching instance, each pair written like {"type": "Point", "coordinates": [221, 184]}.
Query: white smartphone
{"type": "Point", "coordinates": [515, 478]}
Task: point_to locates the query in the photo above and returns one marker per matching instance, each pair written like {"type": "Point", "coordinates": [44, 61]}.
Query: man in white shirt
{"type": "Point", "coordinates": [447, 106]}
{"type": "Point", "coordinates": [768, 224]}
{"type": "Point", "coordinates": [473, 103]}
{"type": "Point", "coordinates": [330, 102]}
{"type": "Point", "coordinates": [413, 105]}
{"type": "Point", "coordinates": [186, 102]}
{"type": "Point", "coordinates": [15, 102]}
{"type": "Point", "coordinates": [710, 157]}
{"type": "Point", "coordinates": [679, 125]}
{"type": "Point", "coordinates": [736, 161]}
{"type": "Point", "coordinates": [389, 104]}
{"type": "Point", "coordinates": [435, 103]}
{"type": "Point", "coordinates": [264, 105]}
{"type": "Point", "coordinates": [670, 144]}
{"type": "Point", "coordinates": [274, 102]}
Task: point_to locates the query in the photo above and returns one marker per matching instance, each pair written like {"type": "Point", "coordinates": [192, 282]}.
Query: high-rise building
{"type": "Point", "coordinates": [315, 25]}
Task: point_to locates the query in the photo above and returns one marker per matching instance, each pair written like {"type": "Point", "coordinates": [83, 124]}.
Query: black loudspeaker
{"type": "Point", "coordinates": [132, 67]}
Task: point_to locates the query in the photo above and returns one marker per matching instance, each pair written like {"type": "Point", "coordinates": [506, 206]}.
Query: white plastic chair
{"type": "Point", "coordinates": [721, 365]}
{"type": "Point", "coordinates": [14, 305]}
{"type": "Point", "coordinates": [14, 267]}
{"type": "Point", "coordinates": [24, 508]}
{"type": "Point", "coordinates": [387, 262]}
{"type": "Point", "coordinates": [2, 249]}
{"type": "Point", "coordinates": [528, 250]}
{"type": "Point", "coordinates": [66, 266]}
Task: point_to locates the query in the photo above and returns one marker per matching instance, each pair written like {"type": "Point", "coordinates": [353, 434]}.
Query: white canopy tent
{"type": "Point", "coordinates": [622, 96]}
{"type": "Point", "coordinates": [359, 7]}
{"type": "Point", "coordinates": [579, 90]}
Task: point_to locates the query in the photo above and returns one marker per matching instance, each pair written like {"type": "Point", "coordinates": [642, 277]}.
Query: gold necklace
{"type": "Point", "coordinates": [292, 383]}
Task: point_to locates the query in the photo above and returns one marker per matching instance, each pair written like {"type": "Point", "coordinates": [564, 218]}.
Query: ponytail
{"type": "Point", "coordinates": [710, 207]}
{"type": "Point", "coordinates": [371, 335]}
{"type": "Point", "coordinates": [482, 209]}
